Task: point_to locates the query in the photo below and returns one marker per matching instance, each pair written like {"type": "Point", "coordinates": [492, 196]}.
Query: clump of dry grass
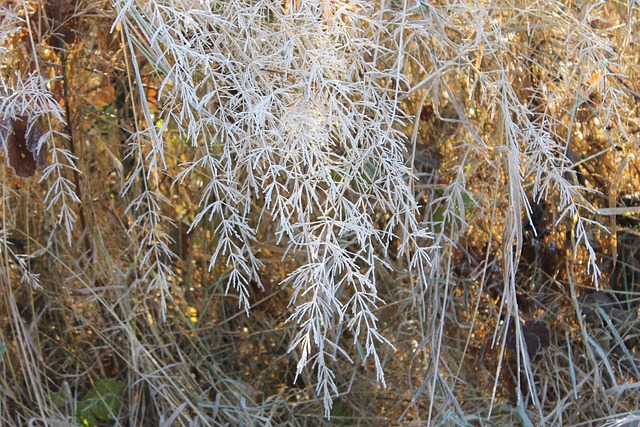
{"type": "Point", "coordinates": [267, 213]}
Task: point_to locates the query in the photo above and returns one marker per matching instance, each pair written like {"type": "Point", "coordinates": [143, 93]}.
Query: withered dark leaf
{"type": "Point", "coordinates": [21, 146]}
{"type": "Point", "coordinates": [541, 329]}
{"type": "Point", "coordinates": [533, 343]}
{"type": "Point", "coordinates": [536, 335]}
{"type": "Point", "coordinates": [34, 133]}
{"type": "Point", "coordinates": [531, 340]}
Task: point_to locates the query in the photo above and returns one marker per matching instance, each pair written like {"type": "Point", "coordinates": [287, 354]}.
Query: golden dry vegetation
{"type": "Point", "coordinates": [520, 127]}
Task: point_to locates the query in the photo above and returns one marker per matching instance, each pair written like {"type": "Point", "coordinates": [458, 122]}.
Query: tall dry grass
{"type": "Point", "coordinates": [305, 213]}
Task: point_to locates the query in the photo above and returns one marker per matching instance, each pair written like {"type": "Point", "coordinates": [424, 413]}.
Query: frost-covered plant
{"type": "Point", "coordinates": [524, 68]}
{"type": "Point", "coordinates": [294, 113]}
{"type": "Point", "coordinates": [283, 122]}
{"type": "Point", "coordinates": [27, 95]}
{"type": "Point", "coordinates": [30, 97]}
{"type": "Point", "coordinates": [294, 110]}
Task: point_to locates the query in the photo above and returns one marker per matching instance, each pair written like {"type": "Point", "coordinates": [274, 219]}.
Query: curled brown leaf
{"type": "Point", "coordinates": [21, 137]}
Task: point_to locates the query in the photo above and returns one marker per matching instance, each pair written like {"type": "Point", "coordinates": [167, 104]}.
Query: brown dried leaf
{"type": "Point", "coordinates": [536, 337]}
{"type": "Point", "coordinates": [21, 146]}
{"type": "Point", "coordinates": [541, 330]}
{"type": "Point", "coordinates": [533, 343]}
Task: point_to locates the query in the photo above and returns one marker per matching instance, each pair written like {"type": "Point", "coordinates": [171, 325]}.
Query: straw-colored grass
{"type": "Point", "coordinates": [319, 213]}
